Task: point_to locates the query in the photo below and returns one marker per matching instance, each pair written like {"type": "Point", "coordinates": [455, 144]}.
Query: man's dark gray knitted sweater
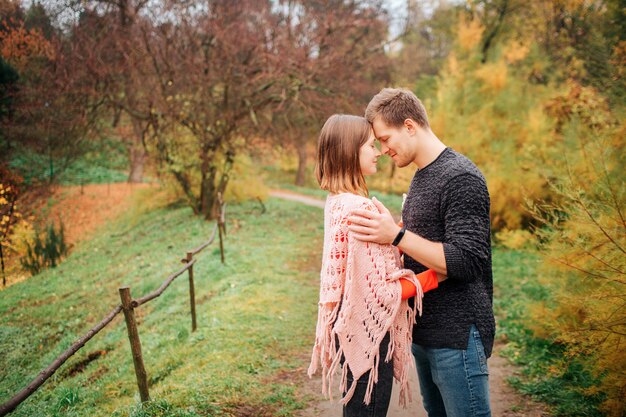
{"type": "Point", "coordinates": [448, 202]}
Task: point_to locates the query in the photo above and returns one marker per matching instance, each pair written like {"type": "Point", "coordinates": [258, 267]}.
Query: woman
{"type": "Point", "coordinates": [364, 320]}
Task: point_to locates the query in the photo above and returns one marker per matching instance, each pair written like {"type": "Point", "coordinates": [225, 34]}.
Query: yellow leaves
{"type": "Point", "coordinates": [537, 121]}
{"type": "Point", "coordinates": [515, 239]}
{"type": "Point", "coordinates": [23, 234]}
{"type": "Point", "coordinates": [245, 183]}
{"type": "Point", "coordinates": [583, 259]}
{"type": "Point", "coordinates": [538, 327]}
{"type": "Point", "coordinates": [453, 65]}
{"type": "Point", "coordinates": [493, 75]}
{"type": "Point", "coordinates": [583, 102]}
{"type": "Point", "coordinates": [470, 33]}
{"type": "Point", "coordinates": [619, 58]}
{"type": "Point", "coordinates": [515, 52]}
{"type": "Point", "coordinates": [7, 198]}
{"type": "Point", "coordinates": [452, 78]}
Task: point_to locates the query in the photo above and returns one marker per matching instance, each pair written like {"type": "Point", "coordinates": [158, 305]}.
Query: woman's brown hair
{"type": "Point", "coordinates": [338, 168]}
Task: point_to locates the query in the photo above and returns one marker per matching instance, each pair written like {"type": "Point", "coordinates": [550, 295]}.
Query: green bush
{"type": "Point", "coordinates": [46, 251]}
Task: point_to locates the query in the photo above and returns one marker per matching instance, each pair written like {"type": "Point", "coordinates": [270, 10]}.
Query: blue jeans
{"type": "Point", "coordinates": [454, 382]}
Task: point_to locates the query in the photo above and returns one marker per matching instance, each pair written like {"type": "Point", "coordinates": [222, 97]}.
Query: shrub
{"type": "Point", "coordinates": [515, 239]}
{"type": "Point", "coordinates": [583, 235]}
{"type": "Point", "coordinates": [245, 181]}
{"type": "Point", "coordinates": [9, 213]}
{"type": "Point", "coordinates": [46, 250]}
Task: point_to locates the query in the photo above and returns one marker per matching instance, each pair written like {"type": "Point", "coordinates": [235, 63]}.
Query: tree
{"type": "Point", "coordinates": [37, 18]}
{"type": "Point", "coordinates": [110, 32]}
{"type": "Point", "coordinates": [424, 46]}
{"type": "Point", "coordinates": [8, 82]}
{"type": "Point", "coordinates": [333, 61]}
{"type": "Point", "coordinates": [51, 103]}
{"type": "Point", "coordinates": [211, 73]}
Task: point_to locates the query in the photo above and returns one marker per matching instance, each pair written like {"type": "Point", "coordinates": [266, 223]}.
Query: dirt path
{"type": "Point", "coordinates": [288, 195]}
{"type": "Point", "coordinates": [505, 402]}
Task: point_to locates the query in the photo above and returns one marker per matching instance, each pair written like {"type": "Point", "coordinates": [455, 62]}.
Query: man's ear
{"type": "Point", "coordinates": [411, 125]}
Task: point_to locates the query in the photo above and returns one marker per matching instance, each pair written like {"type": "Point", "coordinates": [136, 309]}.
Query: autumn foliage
{"type": "Point", "coordinates": [551, 144]}
{"type": "Point", "coordinates": [20, 46]}
{"type": "Point", "coordinates": [583, 242]}
{"type": "Point", "coordinates": [533, 93]}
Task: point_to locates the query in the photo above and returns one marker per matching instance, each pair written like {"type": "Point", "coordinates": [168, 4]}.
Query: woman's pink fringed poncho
{"type": "Point", "coordinates": [360, 301]}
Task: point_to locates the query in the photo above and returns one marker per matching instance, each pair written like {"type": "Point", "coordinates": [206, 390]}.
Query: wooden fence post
{"type": "Point", "coordinates": [135, 343]}
{"type": "Point", "coordinates": [220, 224]}
{"type": "Point", "coordinates": [192, 292]}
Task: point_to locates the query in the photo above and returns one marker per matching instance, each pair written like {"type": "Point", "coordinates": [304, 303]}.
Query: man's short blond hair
{"type": "Point", "coordinates": [394, 106]}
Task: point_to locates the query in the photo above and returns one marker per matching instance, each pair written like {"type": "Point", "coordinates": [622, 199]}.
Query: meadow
{"type": "Point", "coordinates": [256, 318]}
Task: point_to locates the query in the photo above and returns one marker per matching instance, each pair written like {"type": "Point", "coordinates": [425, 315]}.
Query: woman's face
{"type": "Point", "coordinates": [368, 155]}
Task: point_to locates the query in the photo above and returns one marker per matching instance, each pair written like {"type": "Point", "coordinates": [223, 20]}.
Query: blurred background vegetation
{"type": "Point", "coordinates": [222, 96]}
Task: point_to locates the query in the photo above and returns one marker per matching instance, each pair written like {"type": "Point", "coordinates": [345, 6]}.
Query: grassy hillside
{"type": "Point", "coordinates": [255, 317]}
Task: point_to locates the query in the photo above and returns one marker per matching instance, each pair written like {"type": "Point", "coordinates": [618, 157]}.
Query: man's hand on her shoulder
{"type": "Point", "coordinates": [370, 226]}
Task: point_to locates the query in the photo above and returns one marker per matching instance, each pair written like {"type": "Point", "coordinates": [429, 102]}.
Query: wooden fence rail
{"type": "Point", "coordinates": [128, 306]}
{"type": "Point", "coordinates": [47, 373]}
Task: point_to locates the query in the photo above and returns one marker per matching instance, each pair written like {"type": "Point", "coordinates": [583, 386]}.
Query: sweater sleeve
{"type": "Point", "coordinates": [466, 245]}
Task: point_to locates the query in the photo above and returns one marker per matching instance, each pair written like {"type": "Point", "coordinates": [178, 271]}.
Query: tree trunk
{"type": "Point", "coordinates": [4, 278]}
{"type": "Point", "coordinates": [502, 11]}
{"type": "Point", "coordinates": [137, 163]}
{"type": "Point", "coordinates": [208, 191]}
{"type": "Point", "coordinates": [137, 152]}
{"type": "Point", "coordinates": [301, 174]}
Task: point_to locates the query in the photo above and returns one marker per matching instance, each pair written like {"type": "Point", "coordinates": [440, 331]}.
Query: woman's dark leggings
{"type": "Point", "coordinates": [381, 394]}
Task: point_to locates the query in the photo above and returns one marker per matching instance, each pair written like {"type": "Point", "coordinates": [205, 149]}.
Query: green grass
{"type": "Point", "coordinates": [547, 375]}
{"type": "Point", "coordinates": [256, 318]}
{"type": "Point", "coordinates": [104, 161]}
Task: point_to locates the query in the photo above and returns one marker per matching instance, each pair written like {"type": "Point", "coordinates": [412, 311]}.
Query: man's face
{"type": "Point", "coordinates": [395, 142]}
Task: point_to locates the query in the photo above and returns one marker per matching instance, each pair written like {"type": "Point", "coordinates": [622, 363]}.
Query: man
{"type": "Point", "coordinates": [446, 228]}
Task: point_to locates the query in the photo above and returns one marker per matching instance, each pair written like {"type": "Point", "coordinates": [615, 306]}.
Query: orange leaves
{"type": "Point", "coordinates": [470, 33]}
{"type": "Point", "coordinates": [582, 102]}
{"type": "Point", "coordinates": [493, 75]}
{"type": "Point", "coordinates": [515, 52]}
{"type": "Point", "coordinates": [19, 46]}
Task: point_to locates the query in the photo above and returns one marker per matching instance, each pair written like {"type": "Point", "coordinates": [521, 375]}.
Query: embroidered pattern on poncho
{"type": "Point", "coordinates": [360, 301]}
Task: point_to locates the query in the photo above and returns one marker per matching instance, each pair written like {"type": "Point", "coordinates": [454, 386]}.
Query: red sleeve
{"type": "Point", "coordinates": [428, 280]}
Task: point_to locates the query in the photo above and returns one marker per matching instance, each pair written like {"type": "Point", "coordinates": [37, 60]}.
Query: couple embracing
{"type": "Point", "coordinates": [394, 295]}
